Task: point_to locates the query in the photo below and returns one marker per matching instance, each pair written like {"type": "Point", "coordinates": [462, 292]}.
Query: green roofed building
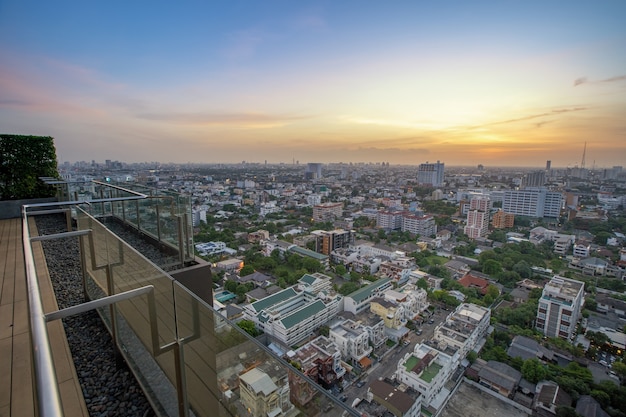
{"type": "Point", "coordinates": [360, 299]}
{"type": "Point", "coordinates": [292, 315]}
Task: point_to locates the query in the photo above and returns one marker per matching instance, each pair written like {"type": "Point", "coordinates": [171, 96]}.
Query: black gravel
{"type": "Point", "coordinates": [108, 386]}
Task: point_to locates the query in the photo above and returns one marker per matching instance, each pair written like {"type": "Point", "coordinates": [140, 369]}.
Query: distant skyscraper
{"type": "Point", "coordinates": [430, 174]}
{"type": "Point", "coordinates": [534, 179]}
{"type": "Point", "coordinates": [313, 171]}
{"type": "Point", "coordinates": [548, 165]}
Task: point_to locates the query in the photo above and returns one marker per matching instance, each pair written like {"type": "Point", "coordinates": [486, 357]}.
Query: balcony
{"type": "Point", "coordinates": [187, 358]}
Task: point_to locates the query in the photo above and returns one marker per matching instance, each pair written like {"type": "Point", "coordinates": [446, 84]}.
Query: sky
{"type": "Point", "coordinates": [498, 83]}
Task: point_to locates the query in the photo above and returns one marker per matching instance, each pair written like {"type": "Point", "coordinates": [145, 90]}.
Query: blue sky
{"type": "Point", "coordinates": [465, 82]}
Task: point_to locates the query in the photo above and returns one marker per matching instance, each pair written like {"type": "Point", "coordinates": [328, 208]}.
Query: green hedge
{"type": "Point", "coordinates": [23, 159]}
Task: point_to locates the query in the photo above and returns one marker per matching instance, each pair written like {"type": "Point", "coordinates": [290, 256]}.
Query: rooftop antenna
{"type": "Point", "coordinates": [582, 162]}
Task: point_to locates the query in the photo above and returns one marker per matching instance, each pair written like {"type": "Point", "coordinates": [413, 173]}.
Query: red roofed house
{"type": "Point", "coordinates": [470, 281]}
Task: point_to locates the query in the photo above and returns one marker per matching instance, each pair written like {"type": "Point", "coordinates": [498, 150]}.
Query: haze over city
{"type": "Point", "coordinates": [494, 83]}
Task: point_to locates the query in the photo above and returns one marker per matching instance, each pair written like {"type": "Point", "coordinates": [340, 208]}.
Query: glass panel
{"type": "Point", "coordinates": [228, 373]}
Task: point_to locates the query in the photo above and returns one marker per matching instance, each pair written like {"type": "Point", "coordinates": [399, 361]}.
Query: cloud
{"type": "Point", "coordinates": [531, 117]}
{"type": "Point", "coordinates": [585, 80]}
{"type": "Point", "coordinates": [237, 120]}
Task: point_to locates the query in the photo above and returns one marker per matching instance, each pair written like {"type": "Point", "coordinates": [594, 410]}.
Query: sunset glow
{"type": "Point", "coordinates": [494, 83]}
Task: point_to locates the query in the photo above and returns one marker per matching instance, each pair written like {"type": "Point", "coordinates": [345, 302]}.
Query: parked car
{"type": "Point", "coordinates": [360, 384]}
{"type": "Point", "coordinates": [418, 332]}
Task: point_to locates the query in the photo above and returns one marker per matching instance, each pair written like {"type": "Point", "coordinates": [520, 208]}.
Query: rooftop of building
{"type": "Point", "coordinates": [302, 314]}
{"type": "Point", "coordinates": [367, 291]}
{"type": "Point", "coordinates": [561, 287]}
{"type": "Point", "coordinates": [274, 299]}
{"type": "Point", "coordinates": [391, 395]}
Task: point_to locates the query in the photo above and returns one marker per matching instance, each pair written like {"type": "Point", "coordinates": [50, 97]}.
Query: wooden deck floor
{"type": "Point", "coordinates": [16, 373]}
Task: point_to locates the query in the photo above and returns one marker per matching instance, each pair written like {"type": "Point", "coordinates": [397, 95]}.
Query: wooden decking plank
{"type": "Point", "coordinates": [6, 353]}
{"type": "Point", "coordinates": [22, 401]}
{"type": "Point", "coordinates": [6, 321]}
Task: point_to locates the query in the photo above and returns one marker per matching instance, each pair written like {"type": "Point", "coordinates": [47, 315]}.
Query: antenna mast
{"type": "Point", "coordinates": [582, 162]}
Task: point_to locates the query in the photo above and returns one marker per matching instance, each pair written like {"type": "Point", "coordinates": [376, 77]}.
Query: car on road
{"type": "Point", "coordinates": [418, 332]}
{"type": "Point", "coordinates": [343, 398]}
{"type": "Point", "coordinates": [431, 321]}
{"type": "Point", "coordinates": [360, 384]}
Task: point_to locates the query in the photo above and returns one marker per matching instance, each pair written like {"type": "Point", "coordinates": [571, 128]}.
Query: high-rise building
{"type": "Point", "coordinates": [480, 202]}
{"type": "Point", "coordinates": [328, 241]}
{"type": "Point", "coordinates": [477, 224]}
{"type": "Point", "coordinates": [423, 225]}
{"type": "Point", "coordinates": [430, 174]}
{"type": "Point", "coordinates": [559, 307]}
{"type": "Point", "coordinates": [313, 171]}
{"type": "Point", "coordinates": [537, 202]}
{"type": "Point", "coordinates": [534, 179]}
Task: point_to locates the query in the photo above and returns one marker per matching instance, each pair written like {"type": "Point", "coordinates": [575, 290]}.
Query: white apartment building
{"type": "Point", "coordinates": [359, 300]}
{"type": "Point", "coordinates": [290, 316]}
{"type": "Point", "coordinates": [352, 340]}
{"type": "Point", "coordinates": [413, 300]}
{"type": "Point", "coordinates": [559, 307]}
{"type": "Point", "coordinates": [582, 249]}
{"type": "Point", "coordinates": [426, 370]}
{"type": "Point", "coordinates": [463, 328]}
{"type": "Point", "coordinates": [389, 220]}
{"type": "Point", "coordinates": [423, 225]}
{"type": "Point", "coordinates": [537, 202]}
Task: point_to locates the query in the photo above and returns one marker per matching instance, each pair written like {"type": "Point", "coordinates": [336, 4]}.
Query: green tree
{"type": "Point", "coordinates": [23, 160]}
{"type": "Point", "coordinates": [492, 267]}
{"type": "Point", "coordinates": [246, 270]}
{"type": "Point", "coordinates": [231, 286]}
{"type": "Point", "coordinates": [422, 283]}
{"type": "Point", "coordinates": [340, 270]}
{"type": "Point", "coordinates": [533, 370]}
{"type": "Point", "coordinates": [620, 370]}
{"type": "Point", "coordinates": [348, 287]}
{"type": "Point", "coordinates": [249, 327]}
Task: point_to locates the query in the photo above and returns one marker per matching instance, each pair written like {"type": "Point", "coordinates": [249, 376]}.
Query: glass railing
{"type": "Point", "coordinates": [189, 359]}
{"type": "Point", "coordinates": [162, 215]}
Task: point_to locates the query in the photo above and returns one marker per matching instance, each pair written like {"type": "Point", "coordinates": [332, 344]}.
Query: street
{"type": "Point", "coordinates": [387, 366]}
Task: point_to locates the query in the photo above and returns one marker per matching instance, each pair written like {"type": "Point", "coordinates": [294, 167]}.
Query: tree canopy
{"type": "Point", "coordinates": [23, 160]}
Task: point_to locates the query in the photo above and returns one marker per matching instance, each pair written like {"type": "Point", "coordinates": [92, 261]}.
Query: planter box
{"type": "Point", "coordinates": [12, 209]}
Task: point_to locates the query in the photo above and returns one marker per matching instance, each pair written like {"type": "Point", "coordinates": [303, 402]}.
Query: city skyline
{"type": "Point", "coordinates": [467, 83]}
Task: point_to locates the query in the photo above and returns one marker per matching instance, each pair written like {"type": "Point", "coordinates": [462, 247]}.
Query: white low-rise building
{"type": "Point", "coordinates": [352, 339]}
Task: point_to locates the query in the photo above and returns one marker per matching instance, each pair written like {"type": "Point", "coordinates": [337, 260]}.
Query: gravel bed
{"type": "Point", "coordinates": [108, 386]}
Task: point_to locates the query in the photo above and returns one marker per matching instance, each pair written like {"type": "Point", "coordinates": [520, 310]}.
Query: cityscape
{"type": "Point", "coordinates": [315, 208]}
{"type": "Point", "coordinates": [408, 290]}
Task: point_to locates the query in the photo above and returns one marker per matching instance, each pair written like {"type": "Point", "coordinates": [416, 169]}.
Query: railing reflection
{"type": "Point", "coordinates": [188, 358]}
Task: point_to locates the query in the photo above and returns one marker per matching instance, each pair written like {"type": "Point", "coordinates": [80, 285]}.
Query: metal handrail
{"type": "Point", "coordinates": [48, 397]}
{"type": "Point", "coordinates": [46, 387]}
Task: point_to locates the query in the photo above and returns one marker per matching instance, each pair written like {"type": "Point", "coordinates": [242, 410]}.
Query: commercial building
{"type": "Point", "coordinates": [559, 307]}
